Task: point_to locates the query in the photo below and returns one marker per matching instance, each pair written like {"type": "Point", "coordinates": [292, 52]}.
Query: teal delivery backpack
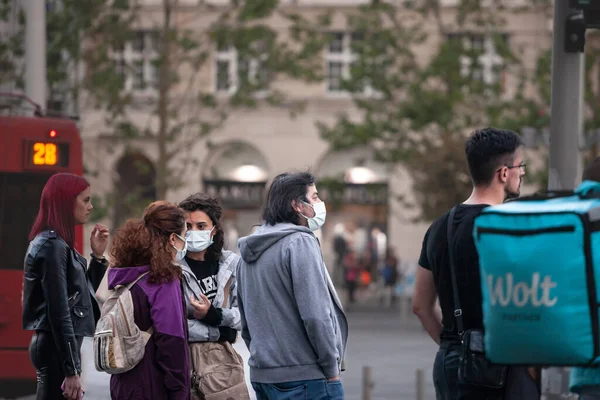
{"type": "Point", "coordinates": [539, 266]}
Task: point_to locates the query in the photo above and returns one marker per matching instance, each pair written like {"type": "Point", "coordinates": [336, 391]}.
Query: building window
{"type": "Point", "coordinates": [335, 72]}
{"type": "Point", "coordinates": [139, 82]}
{"type": "Point", "coordinates": [121, 68]}
{"type": "Point", "coordinates": [339, 56]}
{"type": "Point", "coordinates": [336, 46]}
{"type": "Point", "coordinates": [233, 70]}
{"type": "Point", "coordinates": [481, 49]}
{"type": "Point", "coordinates": [136, 62]}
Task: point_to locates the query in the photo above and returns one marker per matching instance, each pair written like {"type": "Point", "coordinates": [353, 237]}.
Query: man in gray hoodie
{"type": "Point", "coordinates": [292, 320]}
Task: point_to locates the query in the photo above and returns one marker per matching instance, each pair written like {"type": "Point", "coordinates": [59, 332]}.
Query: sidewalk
{"type": "Point", "coordinates": [390, 341]}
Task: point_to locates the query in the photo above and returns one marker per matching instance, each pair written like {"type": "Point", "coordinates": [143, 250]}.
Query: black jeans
{"type": "Point", "coordinates": [445, 377]}
{"type": "Point", "coordinates": [46, 361]}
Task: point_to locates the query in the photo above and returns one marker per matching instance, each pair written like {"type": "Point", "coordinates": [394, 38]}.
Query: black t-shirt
{"type": "Point", "coordinates": [434, 257]}
{"type": "Point", "coordinates": [206, 274]}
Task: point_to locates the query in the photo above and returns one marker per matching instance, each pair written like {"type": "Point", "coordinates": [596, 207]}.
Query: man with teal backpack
{"type": "Point", "coordinates": [586, 381]}
{"type": "Point", "coordinates": [449, 271]}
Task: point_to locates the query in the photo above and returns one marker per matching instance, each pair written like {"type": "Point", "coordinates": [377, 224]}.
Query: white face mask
{"type": "Point", "coordinates": [318, 220]}
{"type": "Point", "coordinates": [198, 241]}
{"type": "Point", "coordinates": [180, 253]}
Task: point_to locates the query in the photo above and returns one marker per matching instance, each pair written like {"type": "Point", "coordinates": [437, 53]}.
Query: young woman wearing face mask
{"type": "Point", "coordinates": [210, 280]}
{"type": "Point", "coordinates": [57, 302]}
{"type": "Point", "coordinates": [154, 244]}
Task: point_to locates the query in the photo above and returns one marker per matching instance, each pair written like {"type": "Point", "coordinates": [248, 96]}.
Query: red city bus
{"type": "Point", "coordinates": [31, 150]}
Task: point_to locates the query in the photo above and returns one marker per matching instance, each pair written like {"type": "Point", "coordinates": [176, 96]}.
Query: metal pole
{"type": "Point", "coordinates": [420, 384]}
{"type": "Point", "coordinates": [367, 383]}
{"type": "Point", "coordinates": [565, 135]}
{"type": "Point", "coordinates": [35, 51]}
{"type": "Point", "coordinates": [567, 106]}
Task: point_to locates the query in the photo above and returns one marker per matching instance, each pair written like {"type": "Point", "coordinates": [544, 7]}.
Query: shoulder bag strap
{"type": "Point", "coordinates": [226, 293]}
{"type": "Point", "coordinates": [458, 313]}
{"type": "Point", "coordinates": [150, 330]}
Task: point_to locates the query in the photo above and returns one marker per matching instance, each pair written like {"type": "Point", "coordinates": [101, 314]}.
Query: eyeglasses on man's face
{"type": "Point", "coordinates": [520, 165]}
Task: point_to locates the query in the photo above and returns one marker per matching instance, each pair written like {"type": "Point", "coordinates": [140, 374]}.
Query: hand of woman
{"type": "Point", "coordinates": [72, 388]}
{"type": "Point", "coordinates": [99, 240]}
{"type": "Point", "coordinates": [201, 306]}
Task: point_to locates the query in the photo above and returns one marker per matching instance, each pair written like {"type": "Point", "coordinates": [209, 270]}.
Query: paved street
{"type": "Point", "coordinates": [393, 347]}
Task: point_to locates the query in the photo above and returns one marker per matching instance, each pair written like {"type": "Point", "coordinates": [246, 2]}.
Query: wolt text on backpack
{"type": "Point", "coordinates": [119, 344]}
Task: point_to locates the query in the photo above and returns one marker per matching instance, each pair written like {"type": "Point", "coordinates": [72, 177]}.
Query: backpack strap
{"type": "Point", "coordinates": [146, 334]}
{"type": "Point", "coordinates": [149, 332]}
{"type": "Point", "coordinates": [226, 291]}
{"type": "Point", "coordinates": [132, 284]}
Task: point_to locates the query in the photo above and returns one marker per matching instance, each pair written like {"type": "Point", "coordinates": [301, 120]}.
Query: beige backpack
{"type": "Point", "coordinates": [119, 344]}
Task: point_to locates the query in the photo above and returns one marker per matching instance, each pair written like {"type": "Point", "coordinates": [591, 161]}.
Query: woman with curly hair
{"type": "Point", "coordinates": [154, 244]}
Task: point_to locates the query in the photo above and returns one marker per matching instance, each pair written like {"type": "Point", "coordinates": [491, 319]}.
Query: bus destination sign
{"type": "Point", "coordinates": [44, 154]}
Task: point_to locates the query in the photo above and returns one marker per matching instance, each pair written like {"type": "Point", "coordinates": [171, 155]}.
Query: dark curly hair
{"type": "Point", "coordinates": [213, 208]}
{"type": "Point", "coordinates": [146, 242]}
{"type": "Point", "coordinates": [489, 149]}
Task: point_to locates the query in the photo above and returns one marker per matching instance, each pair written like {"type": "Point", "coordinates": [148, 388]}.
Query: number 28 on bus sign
{"type": "Point", "coordinates": [44, 153]}
{"type": "Point", "coordinates": [47, 154]}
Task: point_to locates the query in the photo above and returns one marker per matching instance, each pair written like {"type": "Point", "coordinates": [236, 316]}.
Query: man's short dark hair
{"type": "Point", "coordinates": [489, 149]}
{"type": "Point", "coordinates": [592, 171]}
{"type": "Point", "coordinates": [285, 188]}
{"type": "Point", "coordinates": [212, 207]}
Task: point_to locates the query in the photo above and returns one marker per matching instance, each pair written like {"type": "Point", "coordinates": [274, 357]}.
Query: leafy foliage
{"type": "Point", "coordinates": [12, 37]}
{"type": "Point", "coordinates": [182, 111]}
{"type": "Point", "coordinates": [419, 112]}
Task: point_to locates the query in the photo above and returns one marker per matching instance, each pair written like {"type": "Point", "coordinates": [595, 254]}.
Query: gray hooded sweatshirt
{"type": "Point", "coordinates": [292, 320]}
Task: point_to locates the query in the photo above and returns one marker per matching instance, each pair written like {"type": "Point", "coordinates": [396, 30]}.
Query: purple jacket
{"type": "Point", "coordinates": [164, 372]}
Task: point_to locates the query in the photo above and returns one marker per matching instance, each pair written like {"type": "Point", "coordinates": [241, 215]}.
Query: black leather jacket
{"type": "Point", "coordinates": [58, 295]}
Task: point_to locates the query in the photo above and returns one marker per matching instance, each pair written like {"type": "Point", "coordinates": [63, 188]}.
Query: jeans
{"type": "Point", "coordinates": [445, 377]}
{"type": "Point", "coordinates": [46, 361]}
{"type": "Point", "coordinates": [318, 389]}
{"type": "Point", "coordinates": [590, 393]}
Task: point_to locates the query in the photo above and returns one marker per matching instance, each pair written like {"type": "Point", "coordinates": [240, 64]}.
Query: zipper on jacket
{"type": "Point", "coordinates": [525, 232]}
{"type": "Point", "coordinates": [74, 297]}
{"type": "Point", "coordinates": [72, 358]}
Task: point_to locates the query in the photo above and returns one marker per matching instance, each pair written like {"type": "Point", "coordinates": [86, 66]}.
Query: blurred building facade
{"type": "Point", "coordinates": [237, 161]}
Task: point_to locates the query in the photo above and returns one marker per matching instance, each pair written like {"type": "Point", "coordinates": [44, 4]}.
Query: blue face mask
{"type": "Point", "coordinates": [180, 253]}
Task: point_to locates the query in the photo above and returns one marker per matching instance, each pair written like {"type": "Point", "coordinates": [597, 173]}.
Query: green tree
{"type": "Point", "coordinates": [71, 27]}
{"type": "Point", "coordinates": [591, 114]}
{"type": "Point", "coordinates": [12, 35]}
{"type": "Point", "coordinates": [419, 112]}
{"type": "Point", "coordinates": [540, 103]}
{"type": "Point", "coordinates": [182, 111]}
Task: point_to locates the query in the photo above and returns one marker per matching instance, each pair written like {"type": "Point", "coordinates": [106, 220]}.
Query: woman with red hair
{"type": "Point", "coordinates": [58, 288]}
